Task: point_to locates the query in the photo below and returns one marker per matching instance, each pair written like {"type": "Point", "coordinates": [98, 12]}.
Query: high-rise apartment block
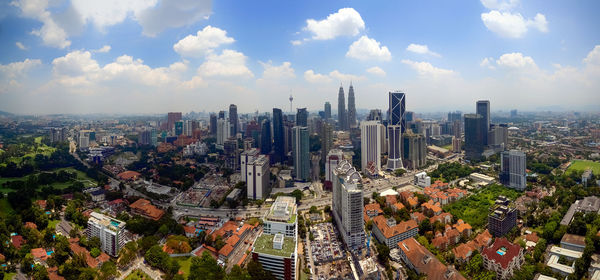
{"type": "Point", "coordinates": [57, 134]}
{"type": "Point", "coordinates": [414, 150]}
{"type": "Point", "coordinates": [110, 231]}
{"type": "Point", "coordinates": [347, 205]}
{"type": "Point", "coordinates": [232, 154]}
{"type": "Point", "coordinates": [327, 110]}
{"type": "Point", "coordinates": [326, 135]}
{"type": "Point", "coordinates": [246, 157]}
{"type": "Point", "coordinates": [83, 140]}
{"type": "Point", "coordinates": [502, 217]}
{"type": "Point", "coordinates": [301, 153]}
{"type": "Point", "coordinates": [512, 170]}
{"type": "Point", "coordinates": [223, 130]}
{"type": "Point", "coordinates": [258, 176]}
{"type": "Point", "coordinates": [370, 147]}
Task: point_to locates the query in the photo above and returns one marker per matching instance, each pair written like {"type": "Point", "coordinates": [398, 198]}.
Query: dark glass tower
{"type": "Point", "coordinates": [397, 109]}
{"type": "Point", "coordinates": [278, 140]}
{"type": "Point", "coordinates": [213, 124]}
{"type": "Point", "coordinates": [342, 118]}
{"type": "Point", "coordinates": [483, 109]}
{"type": "Point", "coordinates": [302, 117]}
{"type": "Point", "coordinates": [351, 107]}
{"type": "Point", "coordinates": [474, 136]}
{"type": "Point", "coordinates": [233, 119]}
{"type": "Point", "coordinates": [327, 110]}
{"type": "Point", "coordinates": [265, 137]}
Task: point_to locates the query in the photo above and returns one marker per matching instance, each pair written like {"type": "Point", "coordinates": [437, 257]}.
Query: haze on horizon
{"type": "Point", "coordinates": [146, 57]}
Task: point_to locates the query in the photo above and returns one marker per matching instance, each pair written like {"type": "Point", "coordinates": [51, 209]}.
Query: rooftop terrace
{"type": "Point", "coordinates": [264, 245]}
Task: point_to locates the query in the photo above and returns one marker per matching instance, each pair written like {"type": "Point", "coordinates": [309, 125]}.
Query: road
{"type": "Point", "coordinates": [139, 264]}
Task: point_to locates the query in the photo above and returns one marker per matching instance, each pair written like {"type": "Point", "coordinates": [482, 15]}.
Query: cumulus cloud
{"type": "Point", "coordinates": [229, 63]}
{"type": "Point", "coordinates": [20, 46]}
{"type": "Point", "coordinates": [376, 71]}
{"type": "Point", "coordinates": [487, 62]}
{"type": "Point", "coordinates": [421, 49]}
{"type": "Point", "coordinates": [296, 42]}
{"type": "Point", "coordinates": [274, 72]}
{"type": "Point", "coordinates": [342, 77]}
{"type": "Point", "coordinates": [172, 14]}
{"type": "Point", "coordinates": [104, 49]}
{"type": "Point", "coordinates": [366, 48]}
{"type": "Point", "coordinates": [51, 33]}
{"type": "Point", "coordinates": [500, 4]}
{"type": "Point", "coordinates": [593, 56]}
{"type": "Point", "coordinates": [203, 42]}
{"type": "Point", "coordinates": [11, 73]}
{"type": "Point", "coordinates": [345, 22]}
{"type": "Point", "coordinates": [513, 25]}
{"type": "Point", "coordinates": [516, 61]}
{"type": "Point", "coordinates": [312, 77]}
{"type": "Point", "coordinates": [425, 69]}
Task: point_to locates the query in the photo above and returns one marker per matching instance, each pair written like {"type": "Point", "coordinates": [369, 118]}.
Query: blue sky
{"type": "Point", "coordinates": [153, 56]}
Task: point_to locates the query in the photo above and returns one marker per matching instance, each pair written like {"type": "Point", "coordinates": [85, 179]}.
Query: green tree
{"type": "Point", "coordinates": [40, 272]}
{"type": "Point", "coordinates": [95, 252]}
{"type": "Point", "coordinates": [256, 271]}
{"type": "Point", "coordinates": [237, 273]}
{"type": "Point", "coordinates": [205, 268]}
{"type": "Point", "coordinates": [108, 270]}
{"type": "Point", "coordinates": [94, 242]}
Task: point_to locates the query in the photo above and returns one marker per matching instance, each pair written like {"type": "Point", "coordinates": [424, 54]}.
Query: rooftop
{"type": "Point", "coordinates": [264, 245]}
{"type": "Point", "coordinates": [106, 221]}
{"type": "Point", "coordinates": [502, 251]}
{"type": "Point", "coordinates": [283, 210]}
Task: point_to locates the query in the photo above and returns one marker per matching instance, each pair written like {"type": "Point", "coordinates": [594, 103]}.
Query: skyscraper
{"type": "Point", "coordinates": [414, 150]}
{"type": "Point", "coordinates": [172, 117]}
{"type": "Point", "coordinates": [334, 157]}
{"type": "Point", "coordinates": [396, 127]}
{"type": "Point", "coordinates": [278, 140]}
{"type": "Point", "coordinates": [245, 159]}
{"type": "Point", "coordinates": [347, 205]}
{"type": "Point", "coordinates": [302, 117]}
{"type": "Point", "coordinates": [474, 136]}
{"type": "Point", "coordinates": [326, 139]}
{"type": "Point", "coordinates": [223, 131]}
{"type": "Point", "coordinates": [110, 231]}
{"type": "Point", "coordinates": [370, 147]}
{"type": "Point", "coordinates": [327, 110]}
{"type": "Point", "coordinates": [374, 115]}
{"type": "Point", "coordinates": [265, 137]}
{"type": "Point", "coordinates": [512, 171]}
{"type": "Point", "coordinates": [342, 118]}
{"type": "Point", "coordinates": [213, 124]}
{"type": "Point", "coordinates": [300, 153]}
{"type": "Point", "coordinates": [258, 177]}
{"type": "Point", "coordinates": [233, 120]}
{"type": "Point", "coordinates": [351, 107]}
{"type": "Point", "coordinates": [221, 114]}
{"type": "Point", "coordinates": [232, 153]}
{"type": "Point", "coordinates": [483, 109]}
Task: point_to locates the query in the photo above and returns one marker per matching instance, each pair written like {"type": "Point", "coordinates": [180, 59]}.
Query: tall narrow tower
{"type": "Point", "coordinates": [351, 107]}
{"type": "Point", "coordinates": [396, 126]}
{"type": "Point", "coordinates": [342, 118]}
{"type": "Point", "coordinates": [291, 99]}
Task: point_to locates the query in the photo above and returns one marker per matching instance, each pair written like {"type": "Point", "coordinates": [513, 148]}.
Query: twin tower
{"type": "Point", "coordinates": [346, 118]}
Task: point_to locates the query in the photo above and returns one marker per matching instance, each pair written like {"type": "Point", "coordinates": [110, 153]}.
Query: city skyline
{"type": "Point", "coordinates": [75, 58]}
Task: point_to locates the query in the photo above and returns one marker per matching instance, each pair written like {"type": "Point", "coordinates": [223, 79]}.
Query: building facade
{"type": "Point", "coordinates": [512, 171]}
{"type": "Point", "coordinates": [370, 147]}
{"type": "Point", "coordinates": [258, 176]}
{"type": "Point", "coordinates": [474, 136]}
{"type": "Point", "coordinates": [347, 205]}
{"type": "Point", "coordinates": [110, 231]}
{"type": "Point", "coordinates": [342, 117]}
{"type": "Point", "coordinates": [351, 108]}
{"type": "Point", "coordinates": [502, 217]}
{"type": "Point", "coordinates": [414, 151]}
{"type": "Point", "coordinates": [334, 157]}
{"type": "Point", "coordinates": [300, 153]}
{"type": "Point", "coordinates": [278, 140]}
{"type": "Point", "coordinates": [483, 109]}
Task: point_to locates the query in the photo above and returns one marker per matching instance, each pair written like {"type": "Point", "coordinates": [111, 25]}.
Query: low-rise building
{"type": "Point", "coordinates": [573, 242]}
{"type": "Point", "coordinates": [590, 204]}
{"type": "Point", "coordinates": [419, 259]}
{"type": "Point", "coordinates": [503, 257]}
{"type": "Point", "coordinates": [563, 267]}
{"type": "Point", "coordinates": [390, 233]}
{"type": "Point", "coordinates": [145, 209]}
{"type": "Point", "coordinates": [422, 180]}
{"type": "Point", "coordinates": [480, 178]}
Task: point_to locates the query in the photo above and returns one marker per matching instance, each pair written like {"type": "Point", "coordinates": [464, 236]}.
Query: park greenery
{"type": "Point", "coordinates": [450, 171]}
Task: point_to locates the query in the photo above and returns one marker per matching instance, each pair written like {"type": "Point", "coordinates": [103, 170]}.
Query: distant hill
{"type": "Point", "coordinates": [6, 114]}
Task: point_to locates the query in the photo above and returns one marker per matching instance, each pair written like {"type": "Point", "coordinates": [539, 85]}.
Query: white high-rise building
{"type": "Point", "coordinates": [84, 139]}
{"type": "Point", "coordinates": [348, 205]}
{"type": "Point", "coordinates": [245, 158]}
{"type": "Point", "coordinates": [370, 147]}
{"type": "Point", "coordinates": [110, 231]}
{"type": "Point", "coordinates": [258, 176]}
{"type": "Point", "coordinates": [223, 130]}
{"type": "Point", "coordinates": [512, 171]}
{"type": "Point", "coordinates": [422, 180]}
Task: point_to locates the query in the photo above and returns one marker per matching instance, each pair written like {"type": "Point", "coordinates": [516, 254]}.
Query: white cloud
{"type": "Point", "coordinates": [500, 4]}
{"type": "Point", "coordinates": [203, 42]}
{"type": "Point", "coordinates": [513, 25]}
{"type": "Point", "coordinates": [281, 72]}
{"type": "Point", "coordinates": [11, 73]}
{"type": "Point", "coordinates": [20, 46]}
{"type": "Point", "coordinates": [345, 22]}
{"type": "Point", "coordinates": [104, 49]}
{"type": "Point", "coordinates": [593, 56]}
{"type": "Point", "coordinates": [312, 77]}
{"type": "Point", "coordinates": [421, 49]}
{"type": "Point", "coordinates": [376, 71]}
{"type": "Point", "coordinates": [487, 63]}
{"type": "Point", "coordinates": [173, 13]}
{"type": "Point", "coordinates": [425, 69]}
{"type": "Point", "coordinates": [342, 77]}
{"type": "Point", "coordinates": [516, 61]}
{"type": "Point", "coordinates": [110, 12]}
{"type": "Point", "coordinates": [296, 42]}
{"type": "Point", "coordinates": [366, 48]}
{"type": "Point", "coordinates": [51, 33]}
{"type": "Point", "coordinates": [229, 63]}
